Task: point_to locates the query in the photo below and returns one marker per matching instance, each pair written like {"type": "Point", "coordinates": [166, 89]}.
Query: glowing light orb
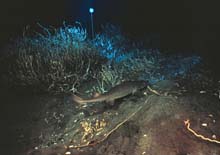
{"type": "Point", "coordinates": [91, 10]}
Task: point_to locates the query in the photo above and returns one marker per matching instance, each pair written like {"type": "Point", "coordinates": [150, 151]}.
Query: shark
{"type": "Point", "coordinates": [119, 91]}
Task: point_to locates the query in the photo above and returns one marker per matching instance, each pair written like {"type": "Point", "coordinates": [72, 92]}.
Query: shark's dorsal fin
{"type": "Point", "coordinates": [96, 94]}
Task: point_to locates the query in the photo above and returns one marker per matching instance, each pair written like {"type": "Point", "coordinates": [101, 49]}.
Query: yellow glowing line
{"type": "Point", "coordinates": [187, 123]}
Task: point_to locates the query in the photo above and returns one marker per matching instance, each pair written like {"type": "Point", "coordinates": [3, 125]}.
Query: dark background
{"type": "Point", "coordinates": [182, 25]}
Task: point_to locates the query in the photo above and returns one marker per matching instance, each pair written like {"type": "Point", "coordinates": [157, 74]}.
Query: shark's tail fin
{"type": "Point", "coordinates": [78, 99]}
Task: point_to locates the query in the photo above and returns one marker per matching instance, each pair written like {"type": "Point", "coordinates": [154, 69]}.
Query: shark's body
{"type": "Point", "coordinates": [119, 91]}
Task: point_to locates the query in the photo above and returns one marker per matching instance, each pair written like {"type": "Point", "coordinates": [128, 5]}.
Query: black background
{"type": "Point", "coordinates": [181, 25]}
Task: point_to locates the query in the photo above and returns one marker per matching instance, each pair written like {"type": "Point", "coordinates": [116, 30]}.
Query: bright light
{"type": "Point", "coordinates": [91, 10]}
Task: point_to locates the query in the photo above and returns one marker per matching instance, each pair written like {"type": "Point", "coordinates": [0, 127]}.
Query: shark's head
{"type": "Point", "coordinates": [142, 84]}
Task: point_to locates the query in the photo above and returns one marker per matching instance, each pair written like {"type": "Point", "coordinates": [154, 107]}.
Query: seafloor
{"type": "Point", "coordinates": [178, 114]}
{"type": "Point", "coordinates": [143, 123]}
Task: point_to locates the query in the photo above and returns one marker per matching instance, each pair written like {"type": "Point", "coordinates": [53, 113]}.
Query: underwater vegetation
{"type": "Point", "coordinates": [66, 61]}
{"type": "Point", "coordinates": [58, 60]}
